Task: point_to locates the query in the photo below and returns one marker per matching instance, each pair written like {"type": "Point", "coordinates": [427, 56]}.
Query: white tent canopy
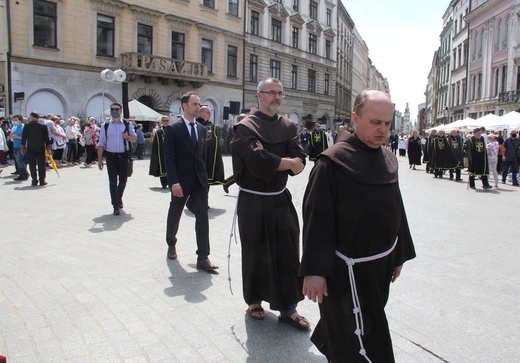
{"type": "Point", "coordinates": [140, 112]}
{"type": "Point", "coordinates": [511, 119]}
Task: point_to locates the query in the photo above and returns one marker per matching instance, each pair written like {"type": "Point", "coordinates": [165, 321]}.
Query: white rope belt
{"type": "Point", "coordinates": [355, 299]}
{"type": "Point", "coordinates": [234, 225]}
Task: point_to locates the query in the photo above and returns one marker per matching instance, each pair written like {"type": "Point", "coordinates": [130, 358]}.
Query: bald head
{"type": "Point", "coordinates": [205, 113]}
{"type": "Point", "coordinates": [370, 95]}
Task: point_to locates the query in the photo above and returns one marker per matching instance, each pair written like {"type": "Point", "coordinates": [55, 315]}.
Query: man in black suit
{"type": "Point", "coordinates": [184, 148]}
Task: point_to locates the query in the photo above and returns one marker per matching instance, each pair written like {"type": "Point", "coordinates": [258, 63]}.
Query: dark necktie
{"type": "Point", "coordinates": [193, 135]}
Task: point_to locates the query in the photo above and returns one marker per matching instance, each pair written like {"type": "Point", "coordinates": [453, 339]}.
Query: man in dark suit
{"type": "Point", "coordinates": [184, 149]}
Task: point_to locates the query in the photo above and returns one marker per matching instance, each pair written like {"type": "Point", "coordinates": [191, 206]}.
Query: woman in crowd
{"type": "Point", "coordinates": [73, 135]}
{"type": "Point", "coordinates": [59, 139]}
{"type": "Point", "coordinates": [492, 154]}
{"type": "Point", "coordinates": [90, 143]}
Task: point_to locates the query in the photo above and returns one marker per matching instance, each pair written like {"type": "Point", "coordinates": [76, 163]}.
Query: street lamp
{"type": "Point", "coordinates": [110, 76]}
{"type": "Point", "coordinates": [446, 113]}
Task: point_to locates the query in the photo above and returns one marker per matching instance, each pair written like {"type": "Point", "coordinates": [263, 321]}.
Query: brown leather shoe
{"type": "Point", "coordinates": [206, 265]}
{"type": "Point", "coordinates": [172, 253]}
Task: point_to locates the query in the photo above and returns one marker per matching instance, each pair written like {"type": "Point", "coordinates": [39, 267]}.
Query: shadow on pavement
{"type": "Point", "coordinates": [187, 284]}
{"type": "Point", "coordinates": [109, 222]}
{"type": "Point", "coordinates": [159, 189]}
{"type": "Point", "coordinates": [269, 340]}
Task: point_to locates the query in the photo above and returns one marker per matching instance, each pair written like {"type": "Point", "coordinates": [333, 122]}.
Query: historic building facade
{"type": "Point", "coordinates": [60, 47]}
{"type": "Point", "coordinates": [344, 65]}
{"type": "Point", "coordinates": [296, 42]}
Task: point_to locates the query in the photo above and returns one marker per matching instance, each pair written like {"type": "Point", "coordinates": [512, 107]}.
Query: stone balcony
{"type": "Point", "coordinates": [509, 100]}
{"type": "Point", "coordinates": [148, 66]}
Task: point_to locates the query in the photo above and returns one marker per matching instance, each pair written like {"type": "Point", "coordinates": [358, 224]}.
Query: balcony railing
{"type": "Point", "coordinates": [151, 65]}
{"type": "Point", "coordinates": [509, 97]}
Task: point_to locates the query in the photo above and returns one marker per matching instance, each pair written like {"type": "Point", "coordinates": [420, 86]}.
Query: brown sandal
{"type": "Point", "coordinates": [251, 311]}
{"type": "Point", "coordinates": [296, 322]}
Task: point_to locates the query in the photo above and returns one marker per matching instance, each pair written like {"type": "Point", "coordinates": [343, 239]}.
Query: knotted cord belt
{"type": "Point", "coordinates": [353, 289]}
{"type": "Point", "coordinates": [234, 224]}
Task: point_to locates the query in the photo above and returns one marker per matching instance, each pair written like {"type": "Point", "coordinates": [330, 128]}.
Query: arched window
{"type": "Point", "coordinates": [475, 45]}
{"type": "Point", "coordinates": [481, 44]}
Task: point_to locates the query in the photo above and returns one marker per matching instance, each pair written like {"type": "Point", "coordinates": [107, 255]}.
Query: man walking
{"type": "Point", "coordinates": [114, 139]}
{"type": "Point", "coordinates": [266, 150]}
{"type": "Point", "coordinates": [477, 159]}
{"type": "Point", "coordinates": [318, 142]}
{"type": "Point", "coordinates": [184, 147]}
{"type": "Point", "coordinates": [16, 136]}
{"type": "Point", "coordinates": [355, 237]}
{"type": "Point", "coordinates": [36, 137]}
{"type": "Point", "coordinates": [510, 157]}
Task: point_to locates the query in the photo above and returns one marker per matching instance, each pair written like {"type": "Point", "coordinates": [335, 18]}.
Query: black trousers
{"type": "Point", "coordinates": [457, 173]}
{"type": "Point", "coordinates": [116, 167]}
{"type": "Point", "coordinates": [36, 158]}
{"type": "Point", "coordinates": [199, 204]}
{"type": "Point", "coordinates": [484, 179]}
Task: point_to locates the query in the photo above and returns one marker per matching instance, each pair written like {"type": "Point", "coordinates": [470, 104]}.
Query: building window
{"type": "Point", "coordinates": [233, 7]}
{"type": "Point", "coordinates": [479, 86]}
{"type": "Point", "coordinates": [312, 81]}
{"type": "Point", "coordinates": [232, 58]}
{"type": "Point", "coordinates": [45, 24]}
{"type": "Point", "coordinates": [313, 10]}
{"type": "Point", "coordinates": [294, 77]}
{"type": "Point", "coordinates": [178, 45]}
{"type": "Point", "coordinates": [255, 22]}
{"type": "Point", "coordinates": [327, 83]}
{"type": "Point", "coordinates": [313, 42]}
{"type": "Point", "coordinates": [276, 30]}
{"type": "Point", "coordinates": [329, 17]}
{"type": "Point", "coordinates": [209, 3]}
{"type": "Point", "coordinates": [504, 79]}
{"type": "Point", "coordinates": [253, 68]}
{"type": "Point", "coordinates": [276, 68]}
{"type": "Point", "coordinates": [105, 35]}
{"type": "Point", "coordinates": [495, 85]}
{"type": "Point", "coordinates": [144, 39]}
{"type": "Point", "coordinates": [296, 5]}
{"type": "Point", "coordinates": [295, 36]}
{"type": "Point", "coordinates": [327, 49]}
{"type": "Point", "coordinates": [207, 54]}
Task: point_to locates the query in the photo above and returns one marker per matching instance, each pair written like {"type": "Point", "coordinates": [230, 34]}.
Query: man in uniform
{"type": "Point", "coordinates": [318, 142]}
{"type": "Point", "coordinates": [266, 150]}
{"type": "Point", "coordinates": [355, 177]}
{"type": "Point", "coordinates": [455, 143]}
{"type": "Point", "coordinates": [157, 163]}
{"type": "Point", "coordinates": [477, 159]}
{"type": "Point", "coordinates": [214, 163]}
{"type": "Point", "coordinates": [428, 151]}
{"type": "Point", "coordinates": [36, 137]}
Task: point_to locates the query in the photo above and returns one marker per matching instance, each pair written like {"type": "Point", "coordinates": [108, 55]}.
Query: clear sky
{"type": "Point", "coordinates": [401, 37]}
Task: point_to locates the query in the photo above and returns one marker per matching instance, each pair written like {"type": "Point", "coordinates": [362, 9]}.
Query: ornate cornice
{"type": "Point", "coordinates": [144, 14]}
{"type": "Point", "coordinates": [313, 26]}
{"type": "Point", "coordinates": [178, 23]}
{"type": "Point", "coordinates": [108, 7]}
{"type": "Point", "coordinates": [278, 10]}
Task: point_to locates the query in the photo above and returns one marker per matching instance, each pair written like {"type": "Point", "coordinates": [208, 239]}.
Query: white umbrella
{"type": "Point", "coordinates": [140, 112]}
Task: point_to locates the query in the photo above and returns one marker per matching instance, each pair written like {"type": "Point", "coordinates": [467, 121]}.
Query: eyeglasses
{"type": "Point", "coordinates": [114, 109]}
{"type": "Point", "coordinates": [274, 93]}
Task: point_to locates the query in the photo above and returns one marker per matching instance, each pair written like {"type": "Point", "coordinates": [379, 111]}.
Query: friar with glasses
{"type": "Point", "coordinates": [266, 151]}
{"type": "Point", "coordinates": [114, 142]}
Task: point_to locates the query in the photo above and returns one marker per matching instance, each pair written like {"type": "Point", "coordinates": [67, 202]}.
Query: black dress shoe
{"type": "Point", "coordinates": [226, 188]}
{"type": "Point", "coordinates": [206, 265]}
{"type": "Point", "coordinates": [172, 253]}
{"type": "Point", "coordinates": [117, 211]}
{"type": "Point", "coordinates": [20, 178]}
{"type": "Point", "coordinates": [43, 182]}
{"type": "Point", "coordinates": [487, 187]}
{"type": "Point", "coordinates": [34, 183]}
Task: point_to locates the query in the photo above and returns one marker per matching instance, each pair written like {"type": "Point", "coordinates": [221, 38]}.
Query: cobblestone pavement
{"type": "Point", "coordinates": [78, 284]}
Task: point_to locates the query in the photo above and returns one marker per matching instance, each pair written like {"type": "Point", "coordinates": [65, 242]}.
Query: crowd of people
{"type": "Point", "coordinates": [479, 152]}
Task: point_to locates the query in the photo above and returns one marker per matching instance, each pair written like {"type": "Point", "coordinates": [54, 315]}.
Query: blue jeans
{"type": "Point", "coordinates": [21, 163]}
{"type": "Point", "coordinates": [514, 171]}
{"type": "Point", "coordinates": [140, 148]}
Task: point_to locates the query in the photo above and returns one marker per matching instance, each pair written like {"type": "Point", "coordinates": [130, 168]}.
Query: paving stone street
{"type": "Point", "coordinates": [78, 284]}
